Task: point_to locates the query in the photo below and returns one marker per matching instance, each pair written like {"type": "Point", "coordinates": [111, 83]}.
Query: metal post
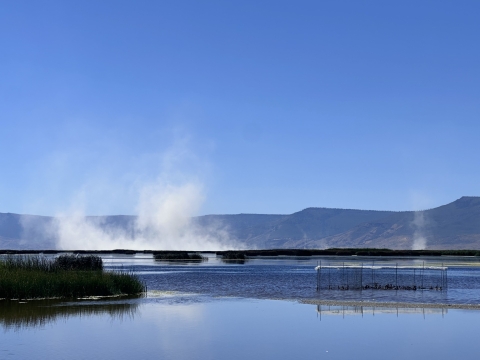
{"type": "Point", "coordinates": [361, 277]}
{"type": "Point", "coordinates": [373, 264]}
{"type": "Point", "coordinates": [446, 278]}
{"type": "Point", "coordinates": [329, 278]}
{"type": "Point", "coordinates": [442, 277]}
{"type": "Point", "coordinates": [444, 272]}
{"type": "Point", "coordinates": [347, 278]}
{"type": "Point", "coordinates": [396, 276]}
{"type": "Point", "coordinates": [320, 274]}
{"type": "Point", "coordinates": [423, 273]}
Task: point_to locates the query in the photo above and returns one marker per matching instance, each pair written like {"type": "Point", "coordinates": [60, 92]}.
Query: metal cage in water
{"type": "Point", "coordinates": [364, 276]}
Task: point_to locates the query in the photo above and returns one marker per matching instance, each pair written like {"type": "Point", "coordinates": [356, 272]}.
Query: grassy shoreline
{"type": "Point", "coordinates": [66, 277]}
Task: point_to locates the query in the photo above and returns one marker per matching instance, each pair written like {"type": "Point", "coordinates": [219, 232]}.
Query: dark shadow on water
{"type": "Point", "coordinates": [19, 315]}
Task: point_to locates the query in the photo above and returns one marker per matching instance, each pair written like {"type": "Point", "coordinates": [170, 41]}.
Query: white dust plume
{"type": "Point", "coordinates": [166, 192]}
{"type": "Point", "coordinates": [419, 239]}
{"type": "Point", "coordinates": [163, 222]}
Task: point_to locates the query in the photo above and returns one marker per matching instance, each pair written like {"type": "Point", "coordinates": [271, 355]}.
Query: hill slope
{"type": "Point", "coordinates": [451, 226]}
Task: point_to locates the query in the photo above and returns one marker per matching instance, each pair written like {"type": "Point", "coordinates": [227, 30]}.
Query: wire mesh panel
{"type": "Point", "coordinates": [386, 277]}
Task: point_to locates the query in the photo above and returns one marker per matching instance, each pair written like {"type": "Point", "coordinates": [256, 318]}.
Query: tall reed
{"type": "Point", "coordinates": [27, 277]}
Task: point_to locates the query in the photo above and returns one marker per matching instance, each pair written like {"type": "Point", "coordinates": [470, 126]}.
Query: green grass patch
{"type": "Point", "coordinates": [67, 276]}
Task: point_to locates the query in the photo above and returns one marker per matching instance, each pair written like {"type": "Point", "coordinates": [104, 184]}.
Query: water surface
{"type": "Point", "coordinates": [214, 310]}
{"type": "Point", "coordinates": [241, 328]}
{"type": "Point", "coordinates": [295, 278]}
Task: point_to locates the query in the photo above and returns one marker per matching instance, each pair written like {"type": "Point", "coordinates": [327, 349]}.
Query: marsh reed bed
{"type": "Point", "coordinates": [67, 276]}
{"type": "Point", "coordinates": [179, 256]}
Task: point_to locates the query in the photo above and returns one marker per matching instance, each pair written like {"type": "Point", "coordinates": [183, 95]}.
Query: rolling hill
{"type": "Point", "coordinates": [452, 226]}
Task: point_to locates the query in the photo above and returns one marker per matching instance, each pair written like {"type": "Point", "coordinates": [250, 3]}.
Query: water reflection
{"type": "Point", "coordinates": [253, 329]}
{"type": "Point", "coordinates": [234, 261]}
{"type": "Point", "coordinates": [337, 310]}
{"type": "Point", "coordinates": [19, 315]}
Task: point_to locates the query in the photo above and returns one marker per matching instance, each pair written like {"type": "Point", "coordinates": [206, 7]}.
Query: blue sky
{"type": "Point", "coordinates": [272, 106]}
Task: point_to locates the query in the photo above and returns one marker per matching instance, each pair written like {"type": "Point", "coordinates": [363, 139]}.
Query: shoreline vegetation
{"type": "Point", "coordinates": [349, 252]}
{"type": "Point", "coordinates": [65, 277]}
{"type": "Point", "coordinates": [262, 252]}
{"type": "Point", "coordinates": [233, 257]}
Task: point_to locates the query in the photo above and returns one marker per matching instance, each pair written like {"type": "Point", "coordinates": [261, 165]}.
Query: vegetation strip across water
{"type": "Point", "coordinates": [264, 252]}
{"type": "Point", "coordinates": [350, 252]}
{"type": "Point", "coordinates": [67, 276]}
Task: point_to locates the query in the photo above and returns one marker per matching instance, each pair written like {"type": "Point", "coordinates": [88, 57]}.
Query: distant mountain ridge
{"type": "Point", "coordinates": [452, 226]}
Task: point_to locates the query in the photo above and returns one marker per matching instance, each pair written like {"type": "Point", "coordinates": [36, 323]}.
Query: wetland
{"type": "Point", "coordinates": [260, 309]}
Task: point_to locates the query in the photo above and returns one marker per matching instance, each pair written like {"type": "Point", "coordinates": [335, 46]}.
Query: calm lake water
{"type": "Point", "coordinates": [295, 278]}
{"type": "Point", "coordinates": [214, 310]}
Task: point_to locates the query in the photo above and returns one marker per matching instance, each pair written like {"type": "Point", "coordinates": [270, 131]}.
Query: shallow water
{"type": "Point", "coordinates": [214, 310]}
{"type": "Point", "coordinates": [295, 278]}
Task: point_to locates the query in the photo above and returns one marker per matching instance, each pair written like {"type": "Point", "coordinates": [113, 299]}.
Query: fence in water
{"type": "Point", "coordinates": [365, 276]}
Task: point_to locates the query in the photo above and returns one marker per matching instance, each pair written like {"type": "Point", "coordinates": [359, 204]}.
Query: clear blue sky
{"type": "Point", "coordinates": [273, 106]}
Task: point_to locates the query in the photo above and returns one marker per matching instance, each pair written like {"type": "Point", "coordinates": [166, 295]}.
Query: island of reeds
{"type": "Point", "coordinates": [67, 276]}
{"type": "Point", "coordinates": [175, 256]}
{"type": "Point", "coordinates": [233, 257]}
